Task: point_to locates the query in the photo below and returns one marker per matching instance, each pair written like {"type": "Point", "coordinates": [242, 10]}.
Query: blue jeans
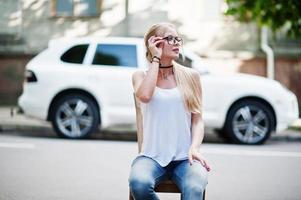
{"type": "Point", "coordinates": [146, 173]}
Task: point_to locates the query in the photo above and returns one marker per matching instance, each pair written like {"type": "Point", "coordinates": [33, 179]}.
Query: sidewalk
{"type": "Point", "coordinates": [11, 121]}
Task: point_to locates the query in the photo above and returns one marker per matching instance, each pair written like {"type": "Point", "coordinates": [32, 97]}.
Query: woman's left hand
{"type": "Point", "coordinates": [194, 154]}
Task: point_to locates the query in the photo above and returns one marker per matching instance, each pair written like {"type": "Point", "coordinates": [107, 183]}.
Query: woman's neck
{"type": "Point", "coordinates": [165, 72]}
{"type": "Point", "coordinates": [166, 63]}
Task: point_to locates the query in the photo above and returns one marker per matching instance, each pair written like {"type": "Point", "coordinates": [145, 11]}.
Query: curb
{"type": "Point", "coordinates": [107, 134]}
{"type": "Point", "coordinates": [120, 134]}
{"type": "Point", "coordinates": [26, 128]}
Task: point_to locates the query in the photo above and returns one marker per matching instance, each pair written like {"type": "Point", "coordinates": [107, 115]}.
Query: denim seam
{"type": "Point", "coordinates": [180, 186]}
{"type": "Point", "coordinates": [179, 179]}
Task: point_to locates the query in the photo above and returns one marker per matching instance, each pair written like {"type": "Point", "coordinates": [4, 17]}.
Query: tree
{"type": "Point", "coordinates": [271, 13]}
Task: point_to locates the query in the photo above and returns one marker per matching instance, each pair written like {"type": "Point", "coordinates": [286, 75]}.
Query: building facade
{"type": "Point", "coordinates": [26, 26]}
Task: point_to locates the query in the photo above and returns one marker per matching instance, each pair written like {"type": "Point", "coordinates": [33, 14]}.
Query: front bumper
{"type": "Point", "coordinates": [289, 113]}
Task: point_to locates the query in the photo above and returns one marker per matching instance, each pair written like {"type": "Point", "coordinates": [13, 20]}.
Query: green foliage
{"type": "Point", "coordinates": [272, 13]}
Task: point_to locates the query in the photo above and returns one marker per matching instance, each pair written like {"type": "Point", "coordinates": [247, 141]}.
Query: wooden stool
{"type": "Point", "coordinates": [164, 186]}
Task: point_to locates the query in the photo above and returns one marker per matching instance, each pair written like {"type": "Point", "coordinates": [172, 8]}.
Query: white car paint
{"type": "Point", "coordinates": [112, 86]}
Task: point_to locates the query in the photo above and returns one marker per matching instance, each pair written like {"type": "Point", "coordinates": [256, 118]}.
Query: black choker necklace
{"type": "Point", "coordinates": [165, 66]}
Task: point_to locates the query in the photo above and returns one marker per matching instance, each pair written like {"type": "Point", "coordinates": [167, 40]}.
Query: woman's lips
{"type": "Point", "coordinates": [176, 50]}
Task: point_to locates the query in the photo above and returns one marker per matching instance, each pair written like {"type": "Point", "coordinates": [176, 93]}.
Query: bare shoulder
{"type": "Point", "coordinates": [137, 78]}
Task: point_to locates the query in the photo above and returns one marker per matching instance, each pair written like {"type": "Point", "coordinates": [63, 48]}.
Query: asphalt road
{"type": "Point", "coordinates": [38, 166]}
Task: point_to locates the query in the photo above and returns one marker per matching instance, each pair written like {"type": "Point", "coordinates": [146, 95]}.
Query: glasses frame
{"type": "Point", "coordinates": [174, 40]}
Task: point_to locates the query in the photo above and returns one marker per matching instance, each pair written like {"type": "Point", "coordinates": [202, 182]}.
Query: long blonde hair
{"type": "Point", "coordinates": [185, 80]}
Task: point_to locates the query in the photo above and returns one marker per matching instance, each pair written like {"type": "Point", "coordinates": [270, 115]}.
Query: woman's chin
{"type": "Point", "coordinates": [175, 56]}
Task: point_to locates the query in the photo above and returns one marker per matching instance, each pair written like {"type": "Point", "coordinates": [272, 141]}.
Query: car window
{"type": "Point", "coordinates": [75, 54]}
{"type": "Point", "coordinates": [187, 62]}
{"type": "Point", "coordinates": [115, 55]}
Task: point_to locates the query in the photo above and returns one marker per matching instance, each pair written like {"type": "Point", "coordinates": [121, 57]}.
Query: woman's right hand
{"type": "Point", "coordinates": [154, 46]}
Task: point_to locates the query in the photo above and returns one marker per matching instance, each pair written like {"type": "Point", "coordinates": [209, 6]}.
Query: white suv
{"type": "Point", "coordinates": [85, 83]}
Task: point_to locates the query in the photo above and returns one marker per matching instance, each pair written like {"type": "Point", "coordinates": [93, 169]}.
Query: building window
{"type": "Point", "coordinates": [76, 8]}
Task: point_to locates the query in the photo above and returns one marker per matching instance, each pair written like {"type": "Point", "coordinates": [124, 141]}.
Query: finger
{"type": "Point", "coordinates": [157, 42]}
{"type": "Point", "coordinates": [203, 163]}
{"type": "Point", "coordinates": [151, 39]}
{"type": "Point", "coordinates": [157, 37]}
{"type": "Point", "coordinates": [198, 157]}
{"type": "Point", "coordinates": [153, 43]}
{"type": "Point", "coordinates": [207, 165]}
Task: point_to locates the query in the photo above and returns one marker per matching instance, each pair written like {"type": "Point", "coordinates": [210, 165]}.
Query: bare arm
{"type": "Point", "coordinates": [144, 86]}
{"type": "Point", "coordinates": [197, 120]}
{"type": "Point", "coordinates": [197, 128]}
{"type": "Point", "coordinates": [197, 131]}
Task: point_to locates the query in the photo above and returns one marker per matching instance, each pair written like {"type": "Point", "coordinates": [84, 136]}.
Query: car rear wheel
{"type": "Point", "coordinates": [75, 116]}
{"type": "Point", "coordinates": [249, 122]}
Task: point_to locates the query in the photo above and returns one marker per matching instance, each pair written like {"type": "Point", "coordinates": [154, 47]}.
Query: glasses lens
{"type": "Point", "coordinates": [179, 40]}
{"type": "Point", "coordinates": [170, 40]}
{"type": "Point", "coordinates": [174, 40]}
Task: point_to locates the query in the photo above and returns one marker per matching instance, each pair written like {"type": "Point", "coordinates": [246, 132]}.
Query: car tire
{"type": "Point", "coordinates": [249, 122]}
{"type": "Point", "coordinates": [75, 116]}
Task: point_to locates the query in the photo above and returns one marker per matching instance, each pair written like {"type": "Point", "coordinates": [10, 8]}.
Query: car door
{"type": "Point", "coordinates": [112, 66]}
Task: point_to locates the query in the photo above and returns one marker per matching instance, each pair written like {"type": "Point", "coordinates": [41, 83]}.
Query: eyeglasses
{"type": "Point", "coordinates": [171, 40]}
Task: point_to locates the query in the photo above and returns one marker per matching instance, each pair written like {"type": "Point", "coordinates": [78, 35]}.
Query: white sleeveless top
{"type": "Point", "coordinates": [166, 127]}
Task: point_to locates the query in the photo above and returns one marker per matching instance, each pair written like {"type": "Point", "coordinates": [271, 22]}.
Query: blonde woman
{"type": "Point", "coordinates": [173, 128]}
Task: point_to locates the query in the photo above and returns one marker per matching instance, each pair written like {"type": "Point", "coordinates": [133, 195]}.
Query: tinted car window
{"type": "Point", "coordinates": [187, 62]}
{"type": "Point", "coordinates": [116, 55]}
{"type": "Point", "coordinates": [75, 54]}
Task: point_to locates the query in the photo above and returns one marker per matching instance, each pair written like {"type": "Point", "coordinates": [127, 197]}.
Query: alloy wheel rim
{"type": "Point", "coordinates": [74, 118]}
{"type": "Point", "coordinates": [250, 124]}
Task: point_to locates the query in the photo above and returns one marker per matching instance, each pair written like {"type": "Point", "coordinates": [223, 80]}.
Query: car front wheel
{"type": "Point", "coordinates": [75, 116]}
{"type": "Point", "coordinates": [249, 122]}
